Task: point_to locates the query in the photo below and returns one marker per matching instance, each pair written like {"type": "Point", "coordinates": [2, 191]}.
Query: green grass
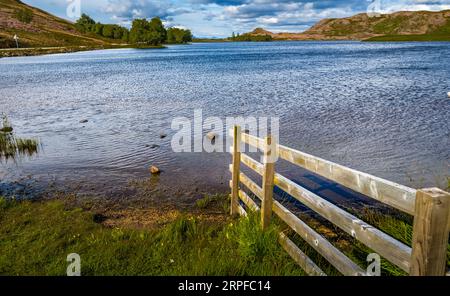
{"type": "Point", "coordinates": [423, 37]}
{"type": "Point", "coordinates": [389, 25]}
{"type": "Point", "coordinates": [209, 200]}
{"type": "Point", "coordinates": [36, 238]}
{"type": "Point", "coordinates": [440, 34]}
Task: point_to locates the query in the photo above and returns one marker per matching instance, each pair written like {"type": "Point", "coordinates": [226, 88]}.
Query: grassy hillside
{"type": "Point", "coordinates": [399, 26]}
{"type": "Point", "coordinates": [420, 25]}
{"type": "Point", "coordinates": [37, 28]}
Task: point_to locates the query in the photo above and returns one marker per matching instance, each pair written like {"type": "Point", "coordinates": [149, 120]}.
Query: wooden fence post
{"type": "Point", "coordinates": [236, 169]}
{"type": "Point", "coordinates": [430, 233]}
{"type": "Point", "coordinates": [268, 180]}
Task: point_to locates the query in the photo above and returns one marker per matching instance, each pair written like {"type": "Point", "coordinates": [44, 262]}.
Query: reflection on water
{"type": "Point", "coordinates": [380, 108]}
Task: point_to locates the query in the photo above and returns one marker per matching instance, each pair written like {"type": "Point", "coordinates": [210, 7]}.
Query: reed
{"type": "Point", "coordinates": [13, 147]}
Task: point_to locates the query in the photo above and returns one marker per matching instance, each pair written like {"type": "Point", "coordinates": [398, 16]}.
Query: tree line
{"type": "Point", "coordinates": [250, 37]}
{"type": "Point", "coordinates": [142, 31]}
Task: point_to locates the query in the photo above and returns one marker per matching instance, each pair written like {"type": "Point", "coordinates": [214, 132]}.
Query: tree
{"type": "Point", "coordinates": [98, 29]}
{"type": "Point", "coordinates": [150, 33]}
{"type": "Point", "coordinates": [108, 31]}
{"type": "Point", "coordinates": [187, 37]}
{"type": "Point", "coordinates": [138, 29]}
{"type": "Point", "coordinates": [126, 35]}
{"type": "Point", "coordinates": [85, 23]}
{"type": "Point", "coordinates": [159, 33]}
{"type": "Point", "coordinates": [177, 35]}
{"type": "Point", "coordinates": [118, 32]}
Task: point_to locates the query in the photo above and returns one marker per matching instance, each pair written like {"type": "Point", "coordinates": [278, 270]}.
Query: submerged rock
{"type": "Point", "coordinates": [211, 136]}
{"type": "Point", "coordinates": [154, 170]}
{"type": "Point", "coordinates": [6, 129]}
{"type": "Point", "coordinates": [152, 146]}
{"type": "Point", "coordinates": [84, 121]}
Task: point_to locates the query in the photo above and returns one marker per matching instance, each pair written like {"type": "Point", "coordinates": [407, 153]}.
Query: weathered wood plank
{"type": "Point", "coordinates": [247, 182]}
{"type": "Point", "coordinates": [430, 234]}
{"type": "Point", "coordinates": [393, 250]}
{"type": "Point", "coordinates": [341, 262]}
{"type": "Point", "coordinates": [236, 169]}
{"type": "Point", "coordinates": [333, 255]}
{"type": "Point", "coordinates": [302, 260]}
{"type": "Point", "coordinates": [297, 255]}
{"type": "Point", "coordinates": [253, 141]}
{"type": "Point", "coordinates": [395, 195]}
{"type": "Point", "coordinates": [386, 246]}
{"type": "Point", "coordinates": [253, 164]}
{"type": "Point", "coordinates": [250, 203]}
{"type": "Point", "coordinates": [268, 180]}
{"type": "Point", "coordinates": [251, 185]}
{"type": "Point", "coordinates": [241, 211]}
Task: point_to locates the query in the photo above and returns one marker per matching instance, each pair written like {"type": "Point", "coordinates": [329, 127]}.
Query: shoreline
{"type": "Point", "coordinates": [172, 239]}
{"type": "Point", "coordinates": [37, 51]}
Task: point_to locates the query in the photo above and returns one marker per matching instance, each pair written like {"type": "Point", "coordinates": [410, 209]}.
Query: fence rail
{"type": "Point", "coordinates": [429, 207]}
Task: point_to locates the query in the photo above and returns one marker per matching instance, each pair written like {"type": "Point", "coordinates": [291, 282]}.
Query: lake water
{"type": "Point", "coordinates": [381, 108]}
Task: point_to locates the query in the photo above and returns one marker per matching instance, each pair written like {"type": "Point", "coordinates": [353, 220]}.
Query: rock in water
{"type": "Point", "coordinates": [84, 121]}
{"type": "Point", "coordinates": [152, 146]}
{"type": "Point", "coordinates": [163, 135]}
{"type": "Point", "coordinates": [6, 129]}
{"type": "Point", "coordinates": [155, 170]}
{"type": "Point", "coordinates": [211, 136]}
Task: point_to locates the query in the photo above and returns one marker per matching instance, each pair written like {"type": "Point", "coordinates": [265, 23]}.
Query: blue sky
{"type": "Point", "coordinates": [219, 18]}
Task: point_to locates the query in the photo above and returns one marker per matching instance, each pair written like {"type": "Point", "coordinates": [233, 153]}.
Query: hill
{"type": "Point", "coordinates": [398, 26]}
{"type": "Point", "coordinates": [37, 28]}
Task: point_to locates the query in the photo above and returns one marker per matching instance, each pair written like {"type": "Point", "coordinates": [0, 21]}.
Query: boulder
{"type": "Point", "coordinates": [163, 135]}
{"type": "Point", "coordinates": [211, 136]}
{"type": "Point", "coordinates": [6, 129]}
{"type": "Point", "coordinates": [154, 170]}
{"type": "Point", "coordinates": [84, 121]}
{"type": "Point", "coordinates": [152, 146]}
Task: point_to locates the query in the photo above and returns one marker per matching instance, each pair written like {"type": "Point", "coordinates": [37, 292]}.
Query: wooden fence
{"type": "Point", "coordinates": [429, 207]}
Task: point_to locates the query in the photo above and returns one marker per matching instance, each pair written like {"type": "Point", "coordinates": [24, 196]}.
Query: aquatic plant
{"type": "Point", "coordinates": [11, 146]}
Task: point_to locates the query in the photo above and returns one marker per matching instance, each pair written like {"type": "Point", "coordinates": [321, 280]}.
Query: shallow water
{"type": "Point", "coordinates": [377, 107]}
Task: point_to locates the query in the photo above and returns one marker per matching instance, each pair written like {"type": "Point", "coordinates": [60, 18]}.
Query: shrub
{"type": "Point", "coordinates": [24, 15]}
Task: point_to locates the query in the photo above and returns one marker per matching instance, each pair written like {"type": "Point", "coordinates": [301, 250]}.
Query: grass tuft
{"type": "Point", "coordinates": [12, 147]}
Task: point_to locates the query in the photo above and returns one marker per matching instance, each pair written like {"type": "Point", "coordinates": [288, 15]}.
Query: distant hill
{"type": "Point", "coordinates": [37, 28]}
{"type": "Point", "coordinates": [401, 26]}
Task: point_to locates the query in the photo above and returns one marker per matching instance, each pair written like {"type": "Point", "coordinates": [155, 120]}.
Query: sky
{"type": "Point", "coordinates": [219, 18]}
